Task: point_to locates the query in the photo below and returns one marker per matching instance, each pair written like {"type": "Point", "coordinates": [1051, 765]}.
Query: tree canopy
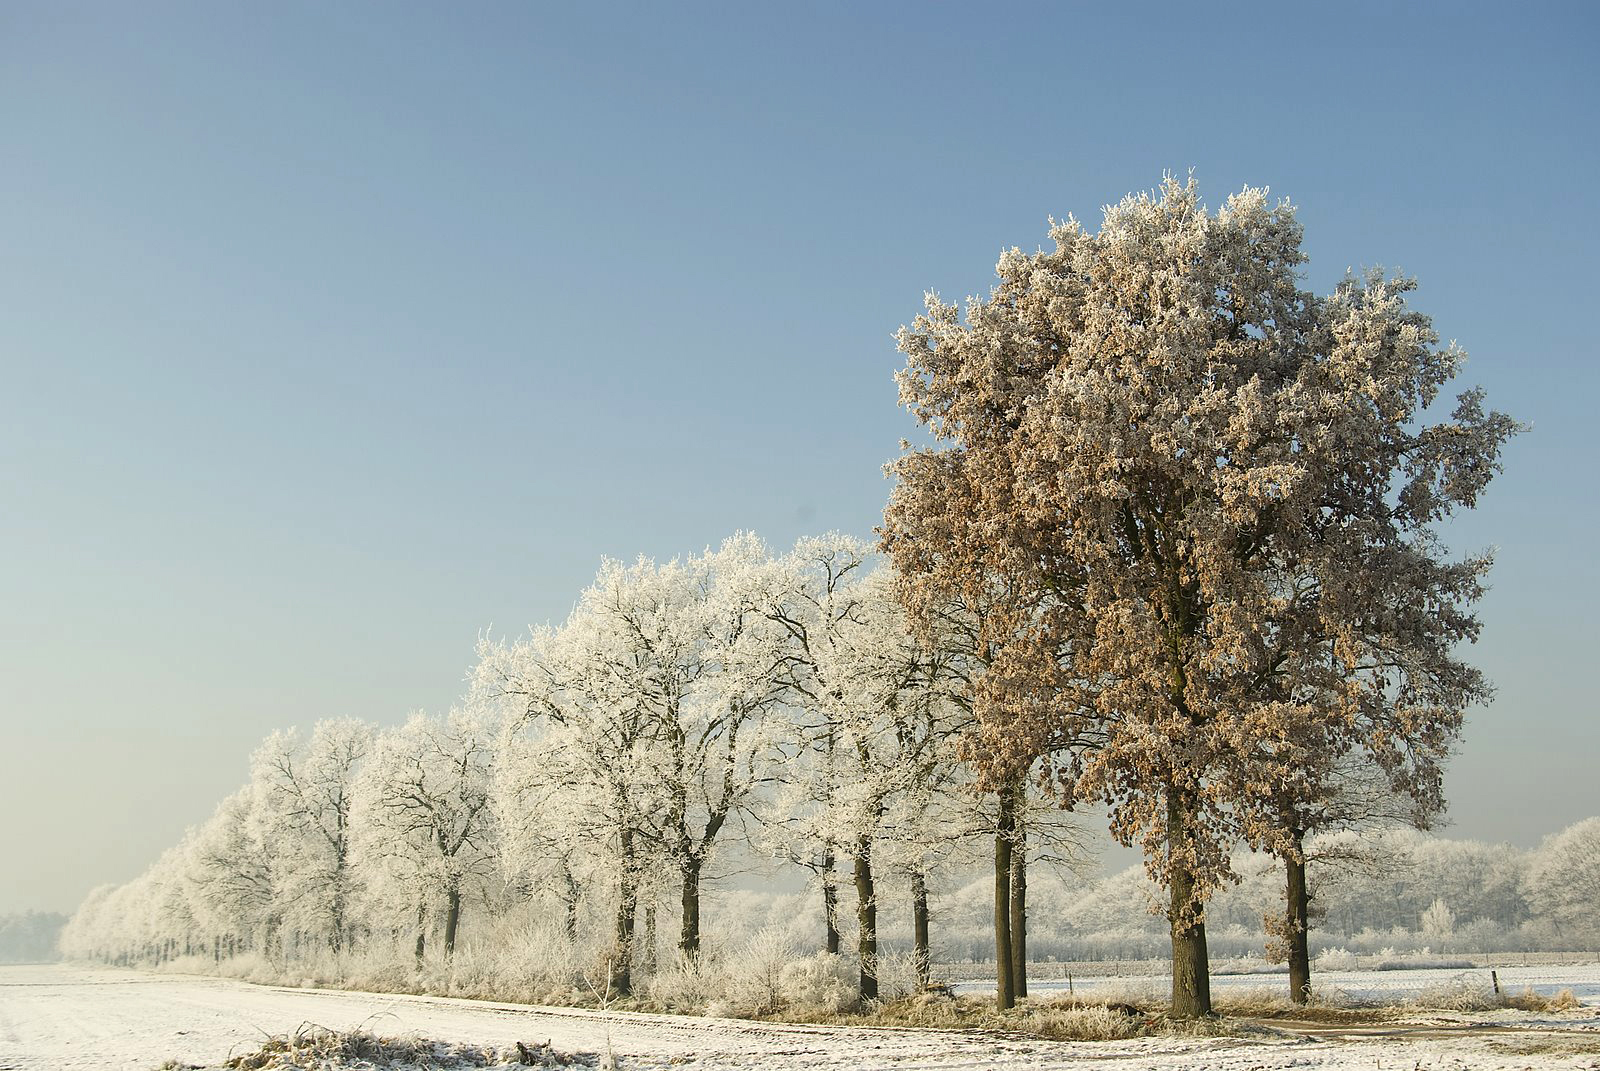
{"type": "Point", "coordinates": [1201, 507]}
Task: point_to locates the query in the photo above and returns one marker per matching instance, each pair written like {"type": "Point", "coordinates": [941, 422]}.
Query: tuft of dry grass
{"type": "Point", "coordinates": [1064, 1019]}
{"type": "Point", "coordinates": [316, 1048]}
{"type": "Point", "coordinates": [1273, 1004]}
{"type": "Point", "coordinates": [1338, 1009]}
{"type": "Point", "coordinates": [1529, 1001]}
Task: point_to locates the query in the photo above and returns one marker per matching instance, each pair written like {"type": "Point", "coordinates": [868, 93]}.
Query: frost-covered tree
{"type": "Point", "coordinates": [713, 682]}
{"type": "Point", "coordinates": [574, 783]}
{"type": "Point", "coordinates": [814, 607]}
{"type": "Point", "coordinates": [302, 799]}
{"type": "Point", "coordinates": [1011, 806]}
{"type": "Point", "coordinates": [423, 814]}
{"type": "Point", "coordinates": [642, 729]}
{"type": "Point", "coordinates": [1213, 498]}
{"type": "Point", "coordinates": [1564, 881]}
{"type": "Point", "coordinates": [233, 875]}
{"type": "Point", "coordinates": [1353, 796]}
{"type": "Point", "coordinates": [873, 776]}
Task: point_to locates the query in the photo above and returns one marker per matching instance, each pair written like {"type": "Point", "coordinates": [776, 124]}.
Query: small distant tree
{"type": "Point", "coordinates": [1438, 922]}
{"type": "Point", "coordinates": [1214, 499]}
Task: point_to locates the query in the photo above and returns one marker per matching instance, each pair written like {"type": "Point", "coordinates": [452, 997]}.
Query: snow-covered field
{"type": "Point", "coordinates": [1337, 986]}
{"type": "Point", "coordinates": [63, 1018]}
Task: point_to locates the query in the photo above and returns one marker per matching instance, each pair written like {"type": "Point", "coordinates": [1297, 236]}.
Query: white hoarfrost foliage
{"type": "Point", "coordinates": [690, 718]}
{"type": "Point", "coordinates": [638, 735]}
{"type": "Point", "coordinates": [1563, 884]}
{"type": "Point", "coordinates": [232, 874]}
{"type": "Point", "coordinates": [301, 809]}
{"type": "Point", "coordinates": [427, 832]}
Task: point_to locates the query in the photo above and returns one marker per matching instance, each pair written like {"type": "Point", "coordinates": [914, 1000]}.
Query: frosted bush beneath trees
{"type": "Point", "coordinates": [823, 981]}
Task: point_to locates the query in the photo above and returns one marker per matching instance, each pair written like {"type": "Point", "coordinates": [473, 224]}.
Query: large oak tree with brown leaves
{"type": "Point", "coordinates": [1199, 505]}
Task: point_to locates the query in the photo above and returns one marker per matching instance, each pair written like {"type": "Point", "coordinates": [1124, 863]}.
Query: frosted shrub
{"type": "Point", "coordinates": [823, 981]}
{"type": "Point", "coordinates": [1091, 1022]}
{"type": "Point", "coordinates": [475, 969]}
{"type": "Point", "coordinates": [755, 970]}
{"type": "Point", "coordinates": [1420, 959]}
{"type": "Point", "coordinates": [1461, 994]}
{"type": "Point", "coordinates": [1336, 959]}
{"type": "Point", "coordinates": [897, 975]}
{"type": "Point", "coordinates": [688, 983]}
{"type": "Point", "coordinates": [384, 970]}
{"type": "Point", "coordinates": [537, 957]}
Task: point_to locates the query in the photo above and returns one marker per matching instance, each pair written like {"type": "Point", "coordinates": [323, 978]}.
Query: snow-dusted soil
{"type": "Point", "coordinates": [61, 1018]}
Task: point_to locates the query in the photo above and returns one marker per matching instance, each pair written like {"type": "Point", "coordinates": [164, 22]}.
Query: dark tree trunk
{"type": "Point", "coordinates": [1005, 980]}
{"type": "Point", "coordinates": [621, 981]}
{"type": "Point", "coordinates": [336, 915]}
{"type": "Point", "coordinates": [422, 932]}
{"type": "Point", "coordinates": [645, 956]}
{"type": "Point", "coordinates": [919, 928]}
{"type": "Point", "coordinates": [452, 919]}
{"type": "Point", "coordinates": [866, 919]}
{"type": "Point", "coordinates": [1297, 900]}
{"type": "Point", "coordinates": [689, 935]}
{"type": "Point", "coordinates": [570, 900]}
{"type": "Point", "coordinates": [1019, 912]}
{"type": "Point", "coordinates": [1191, 970]}
{"type": "Point", "coordinates": [830, 905]}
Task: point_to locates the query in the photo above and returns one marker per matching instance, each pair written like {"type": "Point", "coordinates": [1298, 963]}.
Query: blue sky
{"type": "Point", "coordinates": [339, 333]}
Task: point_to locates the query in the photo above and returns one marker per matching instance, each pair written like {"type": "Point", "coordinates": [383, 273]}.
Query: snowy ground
{"type": "Point", "coordinates": [62, 1019]}
{"type": "Point", "coordinates": [1337, 986]}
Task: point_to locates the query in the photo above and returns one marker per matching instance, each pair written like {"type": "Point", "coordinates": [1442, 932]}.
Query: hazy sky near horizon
{"type": "Point", "coordinates": [338, 333]}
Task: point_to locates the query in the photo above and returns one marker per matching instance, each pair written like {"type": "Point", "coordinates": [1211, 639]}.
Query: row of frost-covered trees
{"type": "Point", "coordinates": [734, 709]}
{"type": "Point", "coordinates": [1173, 552]}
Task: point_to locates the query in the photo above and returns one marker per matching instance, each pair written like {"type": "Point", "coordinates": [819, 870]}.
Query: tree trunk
{"type": "Point", "coordinates": [422, 931]}
{"type": "Point", "coordinates": [1297, 899]}
{"type": "Point", "coordinates": [645, 956]}
{"type": "Point", "coordinates": [689, 935]}
{"type": "Point", "coordinates": [1005, 981]}
{"type": "Point", "coordinates": [867, 920]}
{"type": "Point", "coordinates": [336, 915]}
{"type": "Point", "coordinates": [919, 928]}
{"type": "Point", "coordinates": [570, 899]}
{"type": "Point", "coordinates": [621, 981]}
{"type": "Point", "coordinates": [1019, 912]}
{"type": "Point", "coordinates": [830, 905]}
{"type": "Point", "coordinates": [1191, 971]}
{"type": "Point", "coordinates": [452, 917]}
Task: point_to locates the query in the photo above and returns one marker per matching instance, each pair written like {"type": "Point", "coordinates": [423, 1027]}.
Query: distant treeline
{"type": "Point", "coordinates": [30, 936]}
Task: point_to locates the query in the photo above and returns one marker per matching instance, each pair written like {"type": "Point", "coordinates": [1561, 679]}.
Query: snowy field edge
{"type": "Point", "coordinates": [64, 1018]}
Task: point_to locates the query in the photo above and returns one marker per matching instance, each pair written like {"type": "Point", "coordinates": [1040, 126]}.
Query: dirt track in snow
{"type": "Point", "coordinates": [73, 1019]}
